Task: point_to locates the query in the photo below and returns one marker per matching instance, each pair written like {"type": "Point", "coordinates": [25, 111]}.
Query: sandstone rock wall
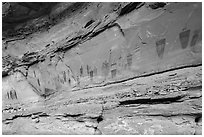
{"type": "Point", "coordinates": [102, 66]}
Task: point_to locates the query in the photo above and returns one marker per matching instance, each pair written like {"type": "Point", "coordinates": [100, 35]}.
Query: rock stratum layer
{"type": "Point", "coordinates": [102, 68]}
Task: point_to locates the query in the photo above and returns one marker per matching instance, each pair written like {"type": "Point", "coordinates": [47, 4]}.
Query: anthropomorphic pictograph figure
{"type": "Point", "coordinates": [160, 46]}
{"type": "Point", "coordinates": [91, 75]}
{"type": "Point", "coordinates": [184, 38]}
{"type": "Point", "coordinates": [13, 94]}
{"type": "Point", "coordinates": [8, 95]}
{"type": "Point", "coordinates": [81, 71]}
{"type": "Point", "coordinates": [69, 82]}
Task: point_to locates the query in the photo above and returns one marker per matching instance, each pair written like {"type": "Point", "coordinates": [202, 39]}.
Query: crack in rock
{"type": "Point", "coordinates": [157, 100]}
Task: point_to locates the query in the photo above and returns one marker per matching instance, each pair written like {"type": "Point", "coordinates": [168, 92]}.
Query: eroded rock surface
{"type": "Point", "coordinates": [102, 68]}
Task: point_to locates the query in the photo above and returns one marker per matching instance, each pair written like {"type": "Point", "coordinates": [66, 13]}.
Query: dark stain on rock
{"type": "Point", "coordinates": [88, 23]}
{"type": "Point", "coordinates": [164, 100]}
{"type": "Point", "coordinates": [69, 82]}
{"type": "Point", "coordinates": [100, 118]}
{"type": "Point", "coordinates": [38, 82]}
{"type": "Point", "coordinates": [130, 7]}
{"type": "Point", "coordinates": [48, 92]}
{"type": "Point", "coordinates": [157, 5]}
{"type": "Point", "coordinates": [198, 118]}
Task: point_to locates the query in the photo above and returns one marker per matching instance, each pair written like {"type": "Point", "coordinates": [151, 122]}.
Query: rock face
{"type": "Point", "coordinates": [102, 68]}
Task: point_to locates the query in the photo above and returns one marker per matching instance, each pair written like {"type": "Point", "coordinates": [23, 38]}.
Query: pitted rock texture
{"type": "Point", "coordinates": [167, 103]}
{"type": "Point", "coordinates": [102, 68]}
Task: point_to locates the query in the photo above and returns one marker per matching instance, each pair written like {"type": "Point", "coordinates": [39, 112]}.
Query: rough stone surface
{"type": "Point", "coordinates": [102, 68]}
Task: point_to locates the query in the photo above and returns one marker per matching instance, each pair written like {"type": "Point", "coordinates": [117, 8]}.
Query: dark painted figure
{"type": "Point", "coordinates": [81, 71]}
{"type": "Point", "coordinates": [34, 74]}
{"type": "Point", "coordinates": [69, 82]}
{"type": "Point", "coordinates": [105, 68]}
{"type": "Point", "coordinates": [114, 70]}
{"type": "Point", "coordinates": [129, 60]}
{"type": "Point", "coordinates": [8, 95]}
{"type": "Point", "coordinates": [91, 75]}
{"type": "Point", "coordinates": [48, 92]}
{"type": "Point", "coordinates": [160, 46]}
{"type": "Point", "coordinates": [87, 68]}
{"type": "Point", "coordinates": [119, 64]}
{"type": "Point", "coordinates": [38, 82]}
{"type": "Point", "coordinates": [113, 73]}
{"type": "Point", "coordinates": [13, 94]}
{"type": "Point", "coordinates": [195, 38]}
{"type": "Point", "coordinates": [78, 80]}
{"type": "Point", "coordinates": [184, 38]}
{"type": "Point", "coordinates": [64, 74]}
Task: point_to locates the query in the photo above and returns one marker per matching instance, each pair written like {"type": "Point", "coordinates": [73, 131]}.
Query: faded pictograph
{"type": "Point", "coordinates": [184, 38]}
{"type": "Point", "coordinates": [160, 46]}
